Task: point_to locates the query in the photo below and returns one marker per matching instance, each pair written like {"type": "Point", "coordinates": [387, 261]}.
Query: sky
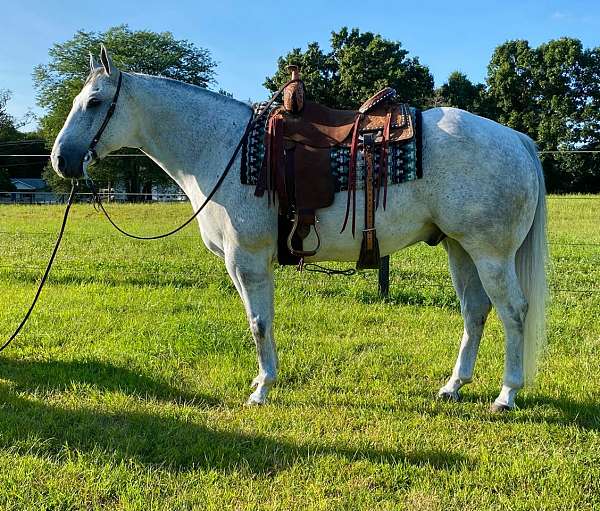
{"type": "Point", "coordinates": [245, 37]}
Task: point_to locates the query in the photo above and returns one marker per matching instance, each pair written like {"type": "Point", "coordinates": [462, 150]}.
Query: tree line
{"type": "Point", "coordinates": [551, 92]}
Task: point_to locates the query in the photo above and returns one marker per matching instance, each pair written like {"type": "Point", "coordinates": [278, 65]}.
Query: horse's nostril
{"type": "Point", "coordinates": [62, 163]}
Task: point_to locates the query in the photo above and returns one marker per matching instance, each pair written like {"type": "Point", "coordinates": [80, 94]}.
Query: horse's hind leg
{"type": "Point", "coordinates": [499, 278]}
{"type": "Point", "coordinates": [253, 278]}
{"type": "Point", "coordinates": [475, 306]}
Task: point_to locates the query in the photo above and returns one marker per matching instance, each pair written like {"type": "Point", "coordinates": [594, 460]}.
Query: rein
{"type": "Point", "coordinates": [48, 267]}
{"type": "Point", "coordinates": [98, 200]}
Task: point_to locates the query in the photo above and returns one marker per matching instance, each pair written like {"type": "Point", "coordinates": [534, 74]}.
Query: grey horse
{"type": "Point", "coordinates": [482, 187]}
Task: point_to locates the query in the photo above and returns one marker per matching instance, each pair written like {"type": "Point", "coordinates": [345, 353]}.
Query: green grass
{"type": "Point", "coordinates": [126, 388]}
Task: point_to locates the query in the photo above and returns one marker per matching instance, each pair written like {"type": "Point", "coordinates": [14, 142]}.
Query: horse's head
{"type": "Point", "coordinates": [87, 133]}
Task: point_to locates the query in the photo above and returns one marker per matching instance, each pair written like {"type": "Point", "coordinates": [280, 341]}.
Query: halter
{"type": "Point", "coordinates": [91, 152]}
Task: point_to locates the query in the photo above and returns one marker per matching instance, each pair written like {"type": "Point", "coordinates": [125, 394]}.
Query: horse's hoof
{"type": "Point", "coordinates": [445, 395]}
{"type": "Point", "coordinates": [499, 408]}
{"type": "Point", "coordinates": [256, 400]}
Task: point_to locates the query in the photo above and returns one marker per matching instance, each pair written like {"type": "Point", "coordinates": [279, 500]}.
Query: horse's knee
{"type": "Point", "coordinates": [258, 327]}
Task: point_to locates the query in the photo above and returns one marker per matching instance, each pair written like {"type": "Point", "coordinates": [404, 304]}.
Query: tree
{"type": "Point", "coordinates": [552, 93]}
{"type": "Point", "coordinates": [5, 182]}
{"type": "Point", "coordinates": [14, 142]}
{"type": "Point", "coordinates": [458, 91]}
{"type": "Point", "coordinates": [358, 65]}
{"type": "Point", "coordinates": [59, 81]}
{"type": "Point", "coordinates": [8, 125]}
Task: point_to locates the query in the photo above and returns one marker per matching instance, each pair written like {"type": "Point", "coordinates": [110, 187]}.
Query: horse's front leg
{"type": "Point", "coordinates": [252, 275]}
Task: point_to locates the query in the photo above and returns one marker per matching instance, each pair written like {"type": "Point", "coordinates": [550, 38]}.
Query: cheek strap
{"type": "Point", "coordinates": [111, 110]}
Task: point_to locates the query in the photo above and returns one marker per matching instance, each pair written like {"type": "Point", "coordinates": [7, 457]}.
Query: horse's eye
{"type": "Point", "coordinates": [92, 102]}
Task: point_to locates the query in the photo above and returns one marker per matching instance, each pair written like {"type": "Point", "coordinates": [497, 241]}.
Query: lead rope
{"type": "Point", "coordinates": [98, 201]}
{"type": "Point", "coordinates": [48, 267]}
{"type": "Point", "coordinates": [317, 268]}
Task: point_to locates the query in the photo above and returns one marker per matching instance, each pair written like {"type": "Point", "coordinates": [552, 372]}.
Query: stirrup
{"type": "Point", "coordinates": [302, 253]}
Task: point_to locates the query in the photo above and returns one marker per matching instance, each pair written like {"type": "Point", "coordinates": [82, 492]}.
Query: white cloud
{"type": "Point", "coordinates": [573, 18]}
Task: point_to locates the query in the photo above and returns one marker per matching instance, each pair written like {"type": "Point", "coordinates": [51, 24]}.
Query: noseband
{"type": "Point", "coordinates": [91, 152]}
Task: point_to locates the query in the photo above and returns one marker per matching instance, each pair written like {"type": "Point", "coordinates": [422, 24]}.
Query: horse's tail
{"type": "Point", "coordinates": [531, 270]}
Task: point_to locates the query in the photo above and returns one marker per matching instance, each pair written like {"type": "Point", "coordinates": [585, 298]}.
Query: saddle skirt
{"type": "Point", "coordinates": [322, 127]}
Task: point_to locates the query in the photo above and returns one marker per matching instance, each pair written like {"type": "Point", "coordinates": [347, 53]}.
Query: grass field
{"type": "Point", "coordinates": [126, 388]}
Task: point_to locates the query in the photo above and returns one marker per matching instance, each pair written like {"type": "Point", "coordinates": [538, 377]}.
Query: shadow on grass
{"type": "Point", "coordinates": [539, 409]}
{"type": "Point", "coordinates": [57, 375]}
{"type": "Point", "coordinates": [171, 441]}
{"type": "Point", "coordinates": [436, 298]}
{"type": "Point", "coordinates": [565, 411]}
{"type": "Point", "coordinates": [118, 277]}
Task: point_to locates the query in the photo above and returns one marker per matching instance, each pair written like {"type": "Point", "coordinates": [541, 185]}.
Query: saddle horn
{"type": "Point", "coordinates": [293, 94]}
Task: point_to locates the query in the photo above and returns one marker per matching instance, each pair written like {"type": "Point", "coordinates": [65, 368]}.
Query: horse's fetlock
{"type": "Point", "coordinates": [264, 379]}
{"type": "Point", "coordinates": [269, 379]}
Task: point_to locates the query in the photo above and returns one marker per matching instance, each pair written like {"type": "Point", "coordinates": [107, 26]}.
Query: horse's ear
{"type": "Point", "coordinates": [93, 63]}
{"type": "Point", "coordinates": [106, 60]}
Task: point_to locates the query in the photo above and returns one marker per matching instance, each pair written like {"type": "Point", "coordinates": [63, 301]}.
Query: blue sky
{"type": "Point", "coordinates": [246, 37]}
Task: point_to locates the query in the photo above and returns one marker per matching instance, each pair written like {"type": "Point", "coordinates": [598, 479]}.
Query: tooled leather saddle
{"type": "Point", "coordinates": [299, 139]}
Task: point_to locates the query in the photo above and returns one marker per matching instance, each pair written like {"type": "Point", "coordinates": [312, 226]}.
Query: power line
{"type": "Point", "coordinates": [197, 236]}
{"type": "Point", "coordinates": [48, 155]}
{"type": "Point", "coordinates": [571, 152]}
{"type": "Point", "coordinates": [22, 142]}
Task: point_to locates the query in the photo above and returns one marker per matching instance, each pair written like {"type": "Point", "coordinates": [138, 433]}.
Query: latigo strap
{"type": "Point", "coordinates": [369, 250]}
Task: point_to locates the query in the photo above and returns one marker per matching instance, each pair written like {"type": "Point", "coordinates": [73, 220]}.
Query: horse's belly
{"type": "Point", "coordinates": [403, 222]}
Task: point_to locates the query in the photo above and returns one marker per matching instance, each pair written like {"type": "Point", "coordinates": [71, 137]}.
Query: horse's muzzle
{"type": "Point", "coordinates": [66, 162]}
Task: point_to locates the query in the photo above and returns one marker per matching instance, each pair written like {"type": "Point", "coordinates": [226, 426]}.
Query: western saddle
{"type": "Point", "coordinates": [299, 138]}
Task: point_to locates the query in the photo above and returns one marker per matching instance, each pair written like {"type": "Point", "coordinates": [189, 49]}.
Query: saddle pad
{"type": "Point", "coordinates": [404, 156]}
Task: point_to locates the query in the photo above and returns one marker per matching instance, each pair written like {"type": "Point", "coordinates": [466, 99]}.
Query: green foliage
{"type": "Point", "coordinates": [8, 128]}
{"type": "Point", "coordinates": [358, 65]}
{"type": "Point", "coordinates": [552, 93]}
{"type": "Point", "coordinates": [125, 390]}
{"type": "Point", "coordinates": [459, 92]}
{"type": "Point", "coordinates": [143, 51]}
{"type": "Point", "coordinates": [5, 182]}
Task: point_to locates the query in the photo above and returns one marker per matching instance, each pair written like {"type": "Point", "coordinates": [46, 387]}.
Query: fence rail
{"type": "Point", "coordinates": [46, 198]}
{"type": "Point", "coordinates": [125, 271]}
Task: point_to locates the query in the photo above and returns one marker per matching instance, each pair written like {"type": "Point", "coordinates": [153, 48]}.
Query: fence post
{"type": "Point", "coordinates": [384, 277]}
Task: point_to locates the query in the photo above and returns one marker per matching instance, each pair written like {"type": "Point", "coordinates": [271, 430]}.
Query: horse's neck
{"type": "Point", "coordinates": [190, 132]}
